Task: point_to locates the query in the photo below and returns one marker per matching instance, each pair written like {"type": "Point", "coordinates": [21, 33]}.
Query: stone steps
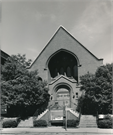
{"type": "Point", "coordinates": [73, 112]}
{"type": "Point", "coordinates": [42, 114]}
{"type": "Point", "coordinates": [26, 123]}
{"type": "Point", "coordinates": [88, 121]}
{"type": "Point", "coordinates": [29, 122]}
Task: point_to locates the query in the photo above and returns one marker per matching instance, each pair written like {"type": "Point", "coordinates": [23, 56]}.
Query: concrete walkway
{"type": "Point", "coordinates": [80, 131]}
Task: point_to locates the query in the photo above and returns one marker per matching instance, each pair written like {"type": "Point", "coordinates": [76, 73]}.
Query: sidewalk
{"type": "Point", "coordinates": [56, 130]}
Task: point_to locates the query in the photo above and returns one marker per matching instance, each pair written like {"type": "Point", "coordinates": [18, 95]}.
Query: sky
{"type": "Point", "coordinates": [27, 25]}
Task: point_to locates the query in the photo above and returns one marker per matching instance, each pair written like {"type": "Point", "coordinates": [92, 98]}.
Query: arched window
{"type": "Point", "coordinates": [63, 63]}
{"type": "Point", "coordinates": [68, 72]}
{"type": "Point", "coordinates": [62, 71]}
{"type": "Point", "coordinates": [75, 72]}
{"type": "Point", "coordinates": [56, 72]}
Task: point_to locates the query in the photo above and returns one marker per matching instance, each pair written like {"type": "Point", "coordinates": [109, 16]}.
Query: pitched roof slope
{"type": "Point", "coordinates": [63, 29]}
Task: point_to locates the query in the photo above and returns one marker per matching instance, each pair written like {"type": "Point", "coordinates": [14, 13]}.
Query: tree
{"type": "Point", "coordinates": [104, 81]}
{"type": "Point", "coordinates": [22, 90]}
{"type": "Point", "coordinates": [98, 91]}
{"type": "Point", "coordinates": [14, 67]}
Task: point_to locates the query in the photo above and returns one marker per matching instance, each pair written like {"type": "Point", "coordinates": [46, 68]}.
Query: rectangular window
{"type": "Point", "coordinates": [76, 94]}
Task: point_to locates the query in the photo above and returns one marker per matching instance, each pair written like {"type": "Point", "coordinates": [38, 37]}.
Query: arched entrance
{"type": "Point", "coordinates": [63, 63]}
{"type": "Point", "coordinates": [63, 97]}
{"type": "Point", "coordinates": [62, 94]}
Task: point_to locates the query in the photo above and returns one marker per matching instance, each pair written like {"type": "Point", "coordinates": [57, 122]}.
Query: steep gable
{"type": "Point", "coordinates": [57, 33]}
{"type": "Point", "coordinates": [64, 41]}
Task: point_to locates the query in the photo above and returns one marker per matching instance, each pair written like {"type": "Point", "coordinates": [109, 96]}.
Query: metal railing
{"type": "Point", "coordinates": [59, 103]}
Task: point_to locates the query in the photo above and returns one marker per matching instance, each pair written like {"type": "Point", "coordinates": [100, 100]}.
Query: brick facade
{"type": "Point", "coordinates": [64, 41]}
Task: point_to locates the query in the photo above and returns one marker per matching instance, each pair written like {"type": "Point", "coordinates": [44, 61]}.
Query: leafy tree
{"type": "Point", "coordinates": [98, 91]}
{"type": "Point", "coordinates": [14, 67]}
{"type": "Point", "coordinates": [23, 91]}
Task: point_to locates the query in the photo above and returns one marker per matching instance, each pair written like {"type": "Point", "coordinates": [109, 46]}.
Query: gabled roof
{"type": "Point", "coordinates": [4, 55]}
{"type": "Point", "coordinates": [62, 28]}
{"type": "Point", "coordinates": [64, 77]}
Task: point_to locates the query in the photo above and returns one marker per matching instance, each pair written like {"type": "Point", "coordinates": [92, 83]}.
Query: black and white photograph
{"type": "Point", "coordinates": [56, 67]}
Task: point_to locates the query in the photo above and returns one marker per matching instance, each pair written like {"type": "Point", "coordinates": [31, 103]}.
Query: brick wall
{"type": "Point", "coordinates": [62, 40]}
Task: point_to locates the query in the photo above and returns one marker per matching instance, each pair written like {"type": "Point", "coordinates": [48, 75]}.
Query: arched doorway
{"type": "Point", "coordinates": [63, 97]}
{"type": "Point", "coordinates": [63, 63]}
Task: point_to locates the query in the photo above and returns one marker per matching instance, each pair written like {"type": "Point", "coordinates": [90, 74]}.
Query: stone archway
{"type": "Point", "coordinates": [62, 95]}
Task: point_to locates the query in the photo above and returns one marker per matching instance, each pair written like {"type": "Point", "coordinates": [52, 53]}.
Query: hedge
{"type": "Point", "coordinates": [105, 123]}
{"type": "Point", "coordinates": [10, 122]}
{"type": "Point", "coordinates": [40, 123]}
{"type": "Point", "coordinates": [72, 123]}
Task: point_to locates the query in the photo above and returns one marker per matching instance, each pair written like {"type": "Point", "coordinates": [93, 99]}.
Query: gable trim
{"type": "Point", "coordinates": [61, 76]}
{"type": "Point", "coordinates": [82, 45]}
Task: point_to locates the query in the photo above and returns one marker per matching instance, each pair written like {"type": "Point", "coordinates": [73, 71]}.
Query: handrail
{"type": "Point", "coordinates": [36, 114]}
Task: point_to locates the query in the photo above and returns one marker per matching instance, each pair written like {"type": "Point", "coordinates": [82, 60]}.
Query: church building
{"type": "Point", "coordinates": [61, 63]}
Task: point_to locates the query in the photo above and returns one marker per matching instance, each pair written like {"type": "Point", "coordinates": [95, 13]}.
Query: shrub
{"type": "Point", "coordinates": [40, 123]}
{"type": "Point", "coordinates": [10, 122]}
{"type": "Point", "coordinates": [72, 123]}
{"type": "Point", "coordinates": [107, 117]}
{"type": "Point", "coordinates": [105, 123]}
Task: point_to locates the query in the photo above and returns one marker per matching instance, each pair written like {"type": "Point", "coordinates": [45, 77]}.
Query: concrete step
{"type": "Point", "coordinates": [88, 126]}
{"type": "Point", "coordinates": [42, 114]}
{"type": "Point", "coordinates": [73, 112]}
{"type": "Point", "coordinates": [26, 123]}
{"type": "Point", "coordinates": [88, 121]}
{"type": "Point", "coordinates": [93, 122]}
